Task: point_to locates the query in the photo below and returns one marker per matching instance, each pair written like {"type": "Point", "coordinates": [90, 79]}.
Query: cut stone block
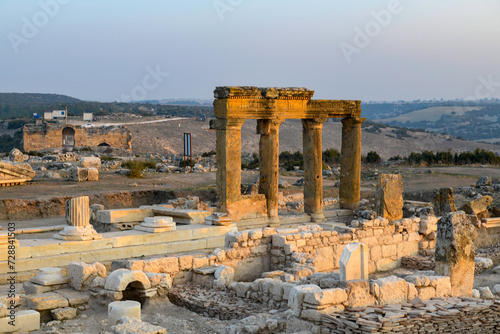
{"type": "Point", "coordinates": [64, 313]}
{"type": "Point", "coordinates": [181, 216]}
{"type": "Point", "coordinates": [478, 207]}
{"type": "Point", "coordinates": [297, 294]}
{"type": "Point", "coordinates": [94, 162]}
{"type": "Point", "coordinates": [34, 289]}
{"type": "Point", "coordinates": [119, 309]}
{"type": "Point", "coordinates": [218, 218]}
{"type": "Point", "coordinates": [80, 273]}
{"type": "Point", "coordinates": [354, 262]}
{"type": "Point", "coordinates": [455, 252]}
{"type": "Point", "coordinates": [46, 301]}
{"type": "Point", "coordinates": [123, 215]}
{"type": "Point", "coordinates": [49, 276]}
{"type": "Point", "coordinates": [74, 298]}
{"type": "Point", "coordinates": [224, 272]}
{"type": "Point", "coordinates": [92, 174]}
{"type": "Point", "coordinates": [26, 321]}
{"type": "Point", "coordinates": [157, 224]}
{"type": "Point", "coordinates": [392, 290]}
{"type": "Point", "coordinates": [389, 196]}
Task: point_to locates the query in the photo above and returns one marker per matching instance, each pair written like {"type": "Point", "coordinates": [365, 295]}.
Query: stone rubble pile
{"type": "Point", "coordinates": [214, 303]}
{"type": "Point", "coordinates": [439, 315]}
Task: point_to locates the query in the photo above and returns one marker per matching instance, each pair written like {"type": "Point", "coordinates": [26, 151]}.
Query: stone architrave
{"type": "Point", "coordinates": [11, 174]}
{"type": "Point", "coordinates": [455, 252]}
{"type": "Point", "coordinates": [354, 262]}
{"type": "Point", "coordinates": [389, 196]}
{"type": "Point", "coordinates": [156, 225]}
{"type": "Point", "coordinates": [78, 218]}
{"type": "Point", "coordinates": [444, 202]}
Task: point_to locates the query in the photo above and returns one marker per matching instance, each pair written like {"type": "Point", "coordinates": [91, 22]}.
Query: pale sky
{"type": "Point", "coordinates": [115, 50]}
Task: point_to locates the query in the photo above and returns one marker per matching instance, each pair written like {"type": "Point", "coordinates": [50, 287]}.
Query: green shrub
{"type": "Point", "coordinates": [208, 154]}
{"type": "Point", "coordinates": [137, 167]}
{"type": "Point", "coordinates": [373, 158]}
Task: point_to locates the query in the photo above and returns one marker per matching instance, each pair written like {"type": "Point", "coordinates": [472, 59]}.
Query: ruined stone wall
{"type": "Point", "coordinates": [387, 243]}
{"type": "Point", "coordinates": [45, 136]}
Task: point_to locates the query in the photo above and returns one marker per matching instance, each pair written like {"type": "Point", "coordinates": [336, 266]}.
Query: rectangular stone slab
{"type": "Point", "coordinates": [123, 215]}
{"type": "Point", "coordinates": [180, 216]}
{"type": "Point", "coordinates": [26, 320]}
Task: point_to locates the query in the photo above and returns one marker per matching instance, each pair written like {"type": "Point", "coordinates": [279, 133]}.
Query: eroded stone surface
{"type": "Point", "coordinates": [389, 196]}
{"type": "Point", "coordinates": [455, 252]}
{"type": "Point", "coordinates": [354, 262]}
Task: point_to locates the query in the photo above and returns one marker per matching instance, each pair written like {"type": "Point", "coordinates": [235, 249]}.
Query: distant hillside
{"type": "Point", "coordinates": [15, 105]}
{"type": "Point", "coordinates": [478, 121]}
{"type": "Point", "coordinates": [24, 99]}
{"type": "Point", "coordinates": [167, 138]}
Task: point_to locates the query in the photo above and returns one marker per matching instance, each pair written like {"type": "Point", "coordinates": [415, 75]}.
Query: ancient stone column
{"type": "Point", "coordinates": [77, 211]}
{"type": "Point", "coordinates": [78, 217]}
{"type": "Point", "coordinates": [228, 160]}
{"type": "Point", "coordinates": [350, 163]}
{"type": "Point", "coordinates": [455, 252]}
{"type": "Point", "coordinates": [313, 167]}
{"type": "Point", "coordinates": [269, 163]}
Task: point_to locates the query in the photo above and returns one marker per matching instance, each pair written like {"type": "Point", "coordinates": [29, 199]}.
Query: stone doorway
{"type": "Point", "coordinates": [68, 134]}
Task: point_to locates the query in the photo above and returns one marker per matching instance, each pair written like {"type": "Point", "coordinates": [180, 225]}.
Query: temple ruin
{"type": "Point", "coordinates": [389, 266]}
{"type": "Point", "coordinates": [270, 107]}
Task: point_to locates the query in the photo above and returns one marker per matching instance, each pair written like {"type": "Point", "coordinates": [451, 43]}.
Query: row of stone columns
{"type": "Point", "coordinates": [229, 163]}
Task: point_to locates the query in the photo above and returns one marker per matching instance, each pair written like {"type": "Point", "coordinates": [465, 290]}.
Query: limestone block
{"type": "Point", "coordinates": [127, 325]}
{"type": "Point", "coordinates": [157, 224]}
{"type": "Point", "coordinates": [34, 289]}
{"type": "Point", "coordinates": [26, 321]}
{"type": "Point", "coordinates": [358, 293]}
{"type": "Point", "coordinates": [485, 293]}
{"type": "Point", "coordinates": [218, 218]}
{"type": "Point", "coordinates": [185, 262]}
{"type": "Point", "coordinates": [92, 174]}
{"type": "Point", "coordinates": [248, 207]}
{"type": "Point", "coordinates": [94, 162]}
{"type": "Point", "coordinates": [442, 285]}
{"type": "Point", "coordinates": [484, 262]}
{"type": "Point", "coordinates": [496, 290]}
{"type": "Point", "coordinates": [123, 215]}
{"type": "Point", "coordinates": [49, 276]}
{"type": "Point", "coordinates": [389, 196]}
{"type": "Point", "coordinates": [46, 301]}
{"type": "Point", "coordinates": [478, 207]}
{"type": "Point", "coordinates": [78, 174]}
{"type": "Point", "coordinates": [326, 297]}
{"type": "Point", "coordinates": [224, 272]}
{"type": "Point", "coordinates": [119, 279]}
{"type": "Point", "coordinates": [64, 313]}
{"type": "Point", "coordinates": [418, 280]}
{"type": "Point", "coordinates": [455, 252]}
{"type": "Point", "coordinates": [160, 280]}
{"type": "Point", "coordinates": [324, 259]}
{"type": "Point", "coordinates": [81, 274]}
{"type": "Point", "coordinates": [354, 262]}
{"type": "Point", "coordinates": [297, 294]}
{"type": "Point", "coordinates": [392, 290]}
{"type": "Point", "coordinates": [181, 216]}
{"type": "Point", "coordinates": [444, 202]}
{"type": "Point", "coordinates": [128, 308]}
{"type": "Point", "coordinates": [168, 265]}
{"type": "Point", "coordinates": [483, 181]}
{"type": "Point", "coordinates": [426, 292]}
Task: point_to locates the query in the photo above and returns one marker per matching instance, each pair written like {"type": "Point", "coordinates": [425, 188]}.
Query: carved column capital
{"type": "Point", "coordinates": [313, 123]}
{"type": "Point", "coordinates": [353, 121]}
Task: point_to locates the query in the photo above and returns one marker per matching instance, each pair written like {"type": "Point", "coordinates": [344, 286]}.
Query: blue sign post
{"type": "Point", "coordinates": [187, 150]}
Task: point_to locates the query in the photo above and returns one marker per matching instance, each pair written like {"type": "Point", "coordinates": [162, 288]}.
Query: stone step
{"type": "Point", "coordinates": [210, 270]}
